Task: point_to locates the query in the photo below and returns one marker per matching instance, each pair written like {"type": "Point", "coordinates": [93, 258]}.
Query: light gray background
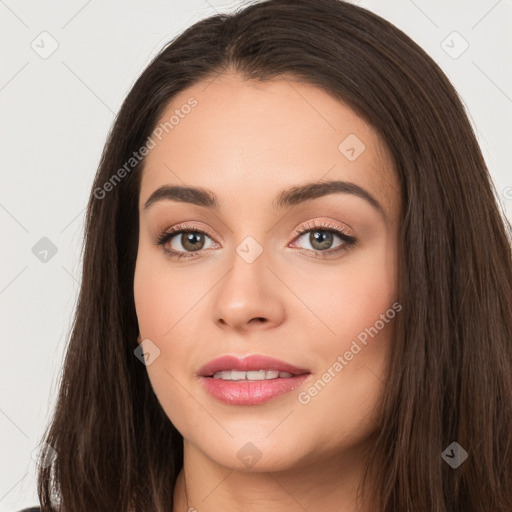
{"type": "Point", "coordinates": [56, 113]}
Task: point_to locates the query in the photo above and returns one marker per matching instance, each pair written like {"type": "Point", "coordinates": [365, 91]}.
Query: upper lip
{"type": "Point", "coordinates": [248, 363]}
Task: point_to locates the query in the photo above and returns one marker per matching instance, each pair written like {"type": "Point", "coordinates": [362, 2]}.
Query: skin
{"type": "Point", "coordinates": [246, 141]}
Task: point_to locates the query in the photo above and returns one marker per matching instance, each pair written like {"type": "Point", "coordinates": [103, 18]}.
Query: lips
{"type": "Point", "coordinates": [249, 363]}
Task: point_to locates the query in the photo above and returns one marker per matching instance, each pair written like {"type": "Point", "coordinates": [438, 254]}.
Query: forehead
{"type": "Point", "coordinates": [243, 137]}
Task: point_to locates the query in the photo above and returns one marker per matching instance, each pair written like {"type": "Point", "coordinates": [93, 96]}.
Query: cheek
{"type": "Point", "coordinates": [156, 294]}
{"type": "Point", "coordinates": [360, 310]}
{"type": "Point", "coordinates": [158, 309]}
{"type": "Point", "coordinates": [147, 296]}
{"type": "Point", "coordinates": [344, 397]}
{"type": "Point", "coordinates": [161, 307]}
{"type": "Point", "coordinates": [351, 298]}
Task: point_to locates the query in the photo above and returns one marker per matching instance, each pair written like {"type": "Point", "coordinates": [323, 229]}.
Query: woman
{"type": "Point", "coordinates": [297, 284]}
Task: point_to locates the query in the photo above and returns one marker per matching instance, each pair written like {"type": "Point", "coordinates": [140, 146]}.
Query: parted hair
{"type": "Point", "coordinates": [450, 373]}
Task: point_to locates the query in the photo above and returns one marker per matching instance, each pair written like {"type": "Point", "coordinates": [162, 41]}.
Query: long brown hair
{"type": "Point", "coordinates": [450, 377]}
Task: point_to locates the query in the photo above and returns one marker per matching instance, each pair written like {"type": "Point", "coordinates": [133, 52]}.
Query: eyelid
{"type": "Point", "coordinates": [323, 224]}
{"type": "Point", "coordinates": [178, 228]}
{"type": "Point", "coordinates": [312, 224]}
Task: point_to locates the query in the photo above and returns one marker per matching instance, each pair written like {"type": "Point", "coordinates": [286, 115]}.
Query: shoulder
{"type": "Point", "coordinates": [33, 509]}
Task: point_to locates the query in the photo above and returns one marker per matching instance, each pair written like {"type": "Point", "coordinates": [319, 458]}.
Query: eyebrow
{"type": "Point", "coordinates": [289, 197]}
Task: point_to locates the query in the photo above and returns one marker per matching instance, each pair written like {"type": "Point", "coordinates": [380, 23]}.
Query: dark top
{"type": "Point", "coordinates": [33, 509]}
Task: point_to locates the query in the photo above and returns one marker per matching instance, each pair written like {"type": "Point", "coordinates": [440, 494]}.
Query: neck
{"type": "Point", "coordinates": [205, 486]}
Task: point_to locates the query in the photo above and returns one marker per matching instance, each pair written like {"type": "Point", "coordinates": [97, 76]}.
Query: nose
{"type": "Point", "coordinates": [249, 296]}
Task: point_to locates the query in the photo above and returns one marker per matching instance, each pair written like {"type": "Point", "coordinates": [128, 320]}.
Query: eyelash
{"type": "Point", "coordinates": [170, 233]}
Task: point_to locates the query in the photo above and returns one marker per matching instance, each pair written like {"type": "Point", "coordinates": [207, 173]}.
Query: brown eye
{"type": "Point", "coordinates": [320, 240]}
{"type": "Point", "coordinates": [183, 241]}
{"type": "Point", "coordinates": [191, 241]}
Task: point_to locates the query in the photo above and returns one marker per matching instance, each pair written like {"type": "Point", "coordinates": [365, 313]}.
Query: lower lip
{"type": "Point", "coordinates": [250, 392]}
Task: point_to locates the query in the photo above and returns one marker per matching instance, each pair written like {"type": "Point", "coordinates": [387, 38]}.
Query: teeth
{"type": "Point", "coordinates": [251, 375]}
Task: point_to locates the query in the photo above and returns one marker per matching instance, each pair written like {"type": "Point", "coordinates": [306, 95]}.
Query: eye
{"type": "Point", "coordinates": [188, 237]}
{"type": "Point", "coordinates": [186, 240]}
{"type": "Point", "coordinates": [321, 237]}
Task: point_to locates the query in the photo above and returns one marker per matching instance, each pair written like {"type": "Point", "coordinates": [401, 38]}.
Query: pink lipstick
{"type": "Point", "coordinates": [251, 380]}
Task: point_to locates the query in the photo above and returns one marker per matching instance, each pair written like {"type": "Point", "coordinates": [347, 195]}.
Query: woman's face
{"type": "Point", "coordinates": [249, 284]}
